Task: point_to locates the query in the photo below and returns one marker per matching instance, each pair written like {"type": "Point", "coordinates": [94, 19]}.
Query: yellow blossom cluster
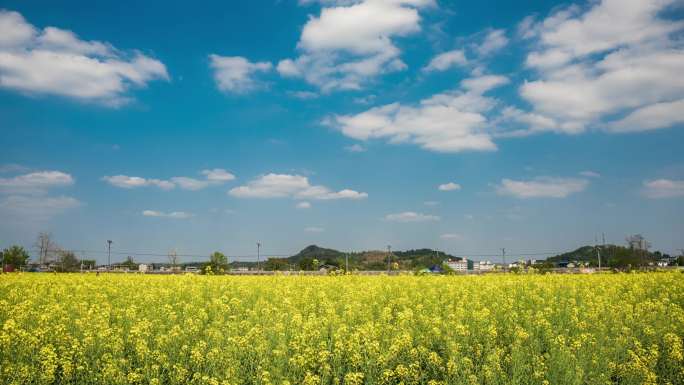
{"type": "Point", "coordinates": [342, 330]}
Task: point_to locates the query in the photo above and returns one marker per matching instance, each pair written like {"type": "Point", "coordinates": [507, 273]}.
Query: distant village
{"type": "Point", "coordinates": [316, 260]}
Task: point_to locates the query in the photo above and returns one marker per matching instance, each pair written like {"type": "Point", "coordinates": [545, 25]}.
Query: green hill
{"type": "Point", "coordinates": [611, 256]}
{"type": "Point", "coordinates": [365, 260]}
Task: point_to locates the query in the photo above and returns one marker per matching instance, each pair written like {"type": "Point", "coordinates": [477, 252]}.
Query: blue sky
{"type": "Point", "coordinates": [460, 126]}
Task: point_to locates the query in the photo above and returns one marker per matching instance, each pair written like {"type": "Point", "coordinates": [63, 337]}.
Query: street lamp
{"type": "Point", "coordinates": [109, 254]}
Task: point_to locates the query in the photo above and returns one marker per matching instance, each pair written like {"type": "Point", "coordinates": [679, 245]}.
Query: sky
{"type": "Point", "coordinates": [535, 126]}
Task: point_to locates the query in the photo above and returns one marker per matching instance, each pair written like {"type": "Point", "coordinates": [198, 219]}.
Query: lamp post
{"type": "Point", "coordinates": [109, 254]}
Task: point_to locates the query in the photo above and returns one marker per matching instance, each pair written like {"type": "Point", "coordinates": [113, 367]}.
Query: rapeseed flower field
{"type": "Point", "coordinates": [496, 329]}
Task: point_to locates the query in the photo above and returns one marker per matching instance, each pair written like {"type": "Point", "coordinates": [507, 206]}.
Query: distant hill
{"type": "Point", "coordinates": [367, 260]}
{"type": "Point", "coordinates": [611, 256]}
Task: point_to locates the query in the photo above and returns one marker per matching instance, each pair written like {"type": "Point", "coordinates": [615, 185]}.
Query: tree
{"type": "Point", "coordinates": [14, 256]}
{"type": "Point", "coordinates": [129, 263]}
{"type": "Point", "coordinates": [218, 263]}
{"type": "Point", "coordinates": [46, 247]}
{"type": "Point", "coordinates": [68, 262]}
{"type": "Point", "coordinates": [88, 264]}
{"type": "Point", "coordinates": [173, 258]}
{"type": "Point", "coordinates": [277, 264]}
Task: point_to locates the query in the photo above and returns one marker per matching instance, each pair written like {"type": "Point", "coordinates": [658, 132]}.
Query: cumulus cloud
{"type": "Point", "coordinates": [236, 74]}
{"type": "Point", "coordinates": [172, 215]}
{"type": "Point", "coordinates": [664, 188]}
{"type": "Point", "coordinates": [451, 186]}
{"type": "Point", "coordinates": [542, 187]}
{"type": "Point", "coordinates": [216, 176]}
{"type": "Point", "coordinates": [614, 65]}
{"type": "Point", "coordinates": [35, 182]}
{"type": "Point", "coordinates": [448, 122]}
{"type": "Point", "coordinates": [411, 216]}
{"type": "Point", "coordinates": [291, 186]}
{"type": "Point", "coordinates": [446, 60]}
{"type": "Point", "coordinates": [349, 43]}
{"type": "Point", "coordinates": [55, 61]}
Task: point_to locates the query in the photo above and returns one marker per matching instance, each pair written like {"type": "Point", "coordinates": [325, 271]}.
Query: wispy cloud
{"type": "Point", "coordinates": [663, 188]}
{"type": "Point", "coordinates": [411, 216]}
{"type": "Point", "coordinates": [542, 187]}
{"type": "Point", "coordinates": [172, 215]}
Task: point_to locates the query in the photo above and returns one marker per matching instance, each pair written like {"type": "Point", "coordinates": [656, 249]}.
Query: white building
{"type": "Point", "coordinates": [483, 266]}
{"type": "Point", "coordinates": [460, 266]}
{"type": "Point", "coordinates": [143, 268]}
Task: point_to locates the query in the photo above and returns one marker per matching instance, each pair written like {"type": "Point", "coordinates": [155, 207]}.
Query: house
{"type": "Point", "coordinates": [143, 268]}
{"type": "Point", "coordinates": [326, 268]}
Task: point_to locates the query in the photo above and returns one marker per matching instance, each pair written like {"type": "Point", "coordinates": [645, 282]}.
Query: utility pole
{"type": "Point", "coordinates": [346, 262]}
{"type": "Point", "coordinates": [109, 254]}
{"type": "Point", "coordinates": [598, 253]}
{"type": "Point", "coordinates": [503, 256]}
{"type": "Point", "coordinates": [258, 254]}
{"type": "Point", "coordinates": [389, 254]}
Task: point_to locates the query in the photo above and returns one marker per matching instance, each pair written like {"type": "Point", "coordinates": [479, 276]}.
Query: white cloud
{"type": "Point", "coordinates": [484, 83]}
{"type": "Point", "coordinates": [664, 188]}
{"type": "Point", "coordinates": [236, 74]}
{"type": "Point", "coordinates": [493, 41]}
{"type": "Point", "coordinates": [303, 205]}
{"type": "Point", "coordinates": [619, 58]}
{"type": "Point", "coordinates": [451, 186]}
{"type": "Point", "coordinates": [35, 182]}
{"type": "Point", "coordinates": [13, 168]}
{"type": "Point", "coordinates": [314, 229]}
{"type": "Point", "coordinates": [446, 60]}
{"type": "Point", "coordinates": [542, 187]}
{"type": "Point", "coordinates": [129, 182]}
{"type": "Point", "coordinates": [172, 215]}
{"type": "Point", "coordinates": [303, 95]}
{"type": "Point", "coordinates": [590, 174]}
{"type": "Point", "coordinates": [189, 183]}
{"type": "Point", "coordinates": [451, 236]}
{"type": "Point", "coordinates": [350, 43]}
{"type": "Point", "coordinates": [33, 208]}
{"type": "Point", "coordinates": [56, 62]}
{"type": "Point", "coordinates": [218, 175]}
{"type": "Point", "coordinates": [292, 186]}
{"type": "Point", "coordinates": [651, 117]}
{"type": "Point", "coordinates": [410, 216]}
{"type": "Point", "coordinates": [355, 148]}
{"type": "Point", "coordinates": [447, 122]}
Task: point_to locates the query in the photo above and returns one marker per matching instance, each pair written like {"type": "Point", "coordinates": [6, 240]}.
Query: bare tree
{"type": "Point", "coordinates": [173, 259]}
{"type": "Point", "coordinates": [46, 247]}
